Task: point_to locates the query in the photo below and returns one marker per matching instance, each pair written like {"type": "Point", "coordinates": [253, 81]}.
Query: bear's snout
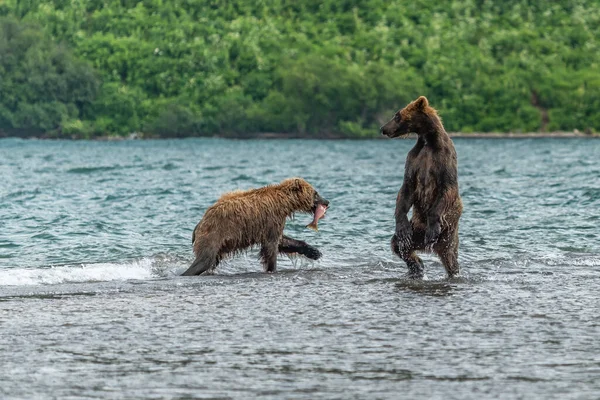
{"type": "Point", "coordinates": [319, 200]}
{"type": "Point", "coordinates": [389, 129]}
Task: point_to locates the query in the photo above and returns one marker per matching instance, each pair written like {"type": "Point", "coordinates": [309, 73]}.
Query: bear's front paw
{"type": "Point", "coordinates": [403, 235]}
{"type": "Point", "coordinates": [432, 234]}
{"type": "Point", "coordinates": [312, 253]}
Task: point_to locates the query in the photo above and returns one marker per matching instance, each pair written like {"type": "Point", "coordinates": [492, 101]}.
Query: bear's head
{"type": "Point", "coordinates": [417, 117]}
{"type": "Point", "coordinates": [303, 196]}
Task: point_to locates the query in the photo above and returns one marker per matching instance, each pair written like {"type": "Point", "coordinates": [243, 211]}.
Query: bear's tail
{"type": "Point", "coordinates": [205, 260]}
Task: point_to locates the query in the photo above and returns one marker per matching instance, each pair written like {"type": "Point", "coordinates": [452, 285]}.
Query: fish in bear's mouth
{"type": "Point", "coordinates": [319, 213]}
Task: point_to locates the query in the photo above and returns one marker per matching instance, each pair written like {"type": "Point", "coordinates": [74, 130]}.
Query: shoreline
{"type": "Point", "coordinates": [477, 135]}
{"type": "Point", "coordinates": [270, 135]}
{"type": "Point", "coordinates": [533, 135]}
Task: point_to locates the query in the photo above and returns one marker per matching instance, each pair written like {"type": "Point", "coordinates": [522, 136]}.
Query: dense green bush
{"type": "Point", "coordinates": [235, 67]}
{"type": "Point", "coordinates": [42, 86]}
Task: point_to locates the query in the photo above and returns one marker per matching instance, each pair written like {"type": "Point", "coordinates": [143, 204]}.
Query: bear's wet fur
{"type": "Point", "coordinates": [256, 217]}
{"type": "Point", "coordinates": [430, 187]}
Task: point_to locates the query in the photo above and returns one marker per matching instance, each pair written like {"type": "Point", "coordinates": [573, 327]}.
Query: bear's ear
{"type": "Point", "coordinates": [297, 185]}
{"type": "Point", "coordinates": [421, 103]}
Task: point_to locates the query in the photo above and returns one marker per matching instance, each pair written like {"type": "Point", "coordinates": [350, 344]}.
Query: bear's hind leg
{"type": "Point", "coordinates": [211, 271]}
{"type": "Point", "coordinates": [447, 250]}
{"type": "Point", "coordinates": [416, 268]}
{"type": "Point", "coordinates": [406, 251]}
{"type": "Point", "coordinates": [450, 261]}
{"type": "Point", "coordinates": [268, 256]}
{"type": "Point", "coordinates": [205, 261]}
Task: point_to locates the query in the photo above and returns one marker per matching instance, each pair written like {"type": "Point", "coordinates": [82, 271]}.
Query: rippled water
{"type": "Point", "coordinates": [93, 236]}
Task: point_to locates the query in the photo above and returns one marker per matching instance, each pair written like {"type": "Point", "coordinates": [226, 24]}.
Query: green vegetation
{"type": "Point", "coordinates": [312, 68]}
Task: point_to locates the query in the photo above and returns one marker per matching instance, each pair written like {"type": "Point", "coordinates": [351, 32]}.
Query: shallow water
{"type": "Point", "coordinates": [93, 236]}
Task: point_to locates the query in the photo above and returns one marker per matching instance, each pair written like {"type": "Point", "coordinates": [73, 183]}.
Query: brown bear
{"type": "Point", "coordinates": [430, 187]}
{"type": "Point", "coordinates": [256, 217]}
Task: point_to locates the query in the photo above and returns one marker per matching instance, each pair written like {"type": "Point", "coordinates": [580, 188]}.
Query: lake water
{"type": "Point", "coordinates": [93, 236]}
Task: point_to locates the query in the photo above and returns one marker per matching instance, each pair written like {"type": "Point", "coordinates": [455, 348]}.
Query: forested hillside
{"type": "Point", "coordinates": [312, 68]}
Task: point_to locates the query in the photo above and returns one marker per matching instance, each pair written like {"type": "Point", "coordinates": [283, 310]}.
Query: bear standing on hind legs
{"type": "Point", "coordinates": [430, 187]}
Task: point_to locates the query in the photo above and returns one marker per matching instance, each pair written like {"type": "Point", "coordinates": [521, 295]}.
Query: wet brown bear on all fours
{"type": "Point", "coordinates": [430, 187]}
{"type": "Point", "coordinates": [256, 217]}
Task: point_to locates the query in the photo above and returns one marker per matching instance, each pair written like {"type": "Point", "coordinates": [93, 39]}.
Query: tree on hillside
{"type": "Point", "coordinates": [43, 88]}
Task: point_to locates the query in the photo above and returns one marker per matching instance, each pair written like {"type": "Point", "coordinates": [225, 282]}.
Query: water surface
{"type": "Point", "coordinates": [93, 236]}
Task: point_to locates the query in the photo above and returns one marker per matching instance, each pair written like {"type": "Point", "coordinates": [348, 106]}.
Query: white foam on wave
{"type": "Point", "coordinates": [141, 269]}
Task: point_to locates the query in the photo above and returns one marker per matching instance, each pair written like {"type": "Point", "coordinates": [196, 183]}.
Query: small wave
{"type": "Point", "coordinates": [89, 170]}
{"type": "Point", "coordinates": [213, 168]}
{"type": "Point", "coordinates": [570, 258]}
{"type": "Point", "coordinates": [145, 268]}
{"type": "Point", "coordinates": [242, 177]}
{"type": "Point", "coordinates": [23, 194]}
{"type": "Point", "coordinates": [170, 167]}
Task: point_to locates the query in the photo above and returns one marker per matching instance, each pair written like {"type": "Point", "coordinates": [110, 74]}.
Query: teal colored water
{"type": "Point", "coordinates": [93, 236]}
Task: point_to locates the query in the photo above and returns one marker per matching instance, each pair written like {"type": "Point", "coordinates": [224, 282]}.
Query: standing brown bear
{"type": "Point", "coordinates": [242, 219]}
{"type": "Point", "coordinates": [430, 187]}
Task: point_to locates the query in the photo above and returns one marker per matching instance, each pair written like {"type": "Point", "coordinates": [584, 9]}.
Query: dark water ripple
{"type": "Point", "coordinates": [93, 236]}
